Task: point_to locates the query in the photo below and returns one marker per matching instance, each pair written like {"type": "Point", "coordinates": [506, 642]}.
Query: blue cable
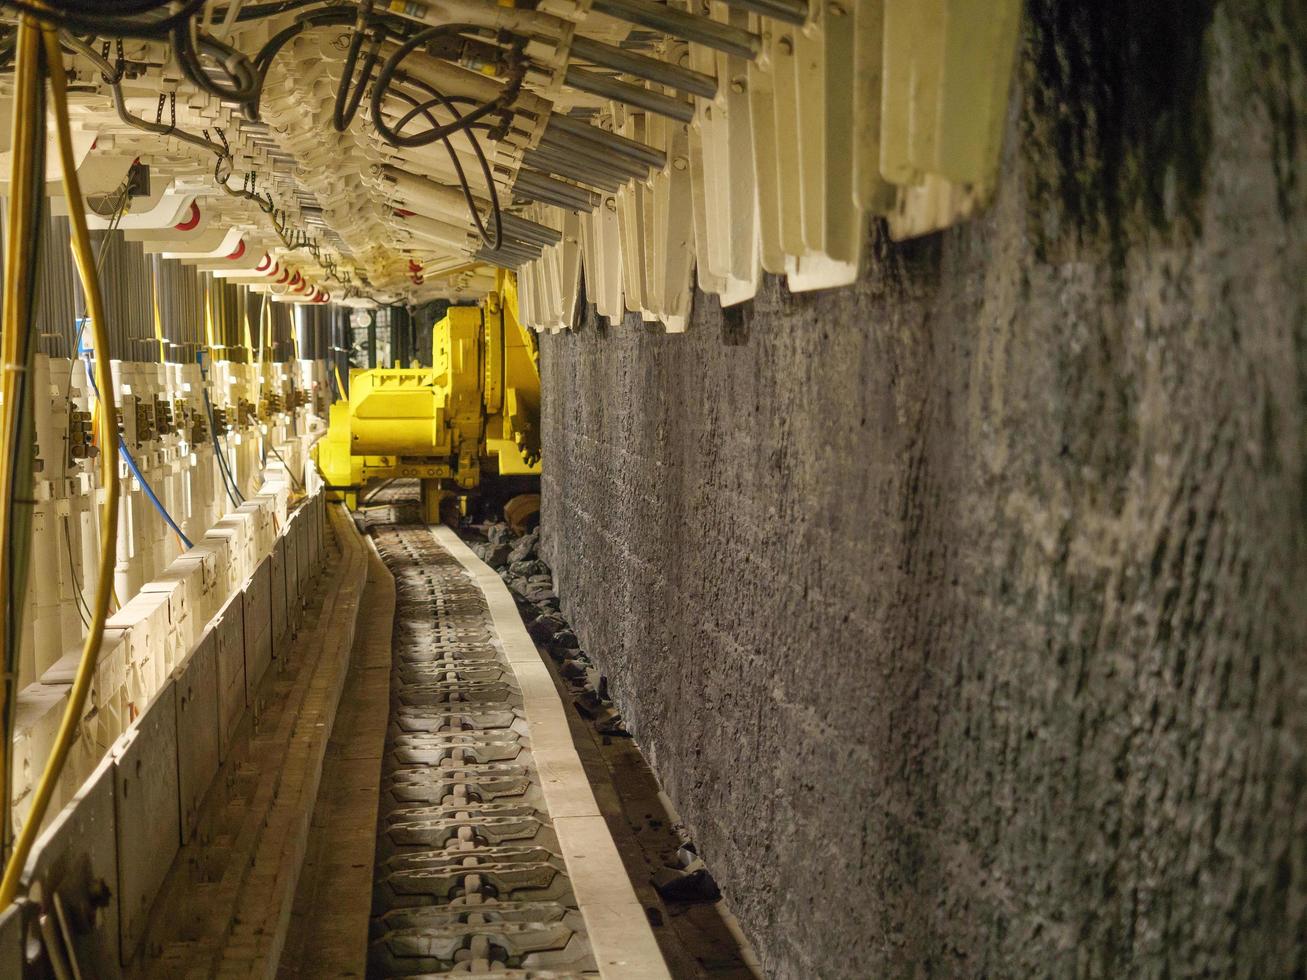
{"type": "Point", "coordinates": [149, 492]}
{"type": "Point", "coordinates": [131, 464]}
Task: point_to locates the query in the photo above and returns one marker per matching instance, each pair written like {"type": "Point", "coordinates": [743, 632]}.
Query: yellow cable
{"type": "Point", "coordinates": [263, 338]}
{"type": "Point", "coordinates": [158, 317]}
{"type": "Point", "coordinates": [249, 336]}
{"type": "Point", "coordinates": [208, 317]}
{"type": "Point", "coordinates": [85, 256]}
{"type": "Point", "coordinates": [158, 336]}
{"type": "Point", "coordinates": [95, 425]}
{"type": "Point", "coordinates": [17, 317]}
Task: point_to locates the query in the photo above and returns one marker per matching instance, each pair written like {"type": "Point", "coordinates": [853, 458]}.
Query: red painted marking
{"type": "Point", "coordinates": [191, 221]}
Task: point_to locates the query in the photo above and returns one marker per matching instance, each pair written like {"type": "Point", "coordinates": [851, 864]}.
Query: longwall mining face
{"type": "Point", "coordinates": [265, 259]}
{"type": "Point", "coordinates": [287, 682]}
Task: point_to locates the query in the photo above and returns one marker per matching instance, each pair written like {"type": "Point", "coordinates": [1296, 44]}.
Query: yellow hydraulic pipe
{"type": "Point", "coordinates": [17, 322]}
{"type": "Point", "coordinates": [85, 256]}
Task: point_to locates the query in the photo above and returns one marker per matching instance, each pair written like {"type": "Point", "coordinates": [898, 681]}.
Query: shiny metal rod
{"type": "Point", "coordinates": [642, 66]}
{"type": "Point", "coordinates": [541, 187]}
{"type": "Point", "coordinates": [688, 27]}
{"type": "Point", "coordinates": [600, 173]}
{"type": "Point", "coordinates": [511, 251]}
{"type": "Point", "coordinates": [530, 231]}
{"type": "Point", "coordinates": [574, 146]}
{"type": "Point", "coordinates": [633, 95]}
{"type": "Point", "coordinates": [612, 142]}
{"type": "Point", "coordinates": [553, 162]}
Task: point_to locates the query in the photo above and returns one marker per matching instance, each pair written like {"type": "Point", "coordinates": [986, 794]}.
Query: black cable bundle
{"type": "Point", "coordinates": [190, 45]}
{"type": "Point", "coordinates": [219, 69]}
{"type": "Point", "coordinates": [347, 104]}
{"type": "Point", "coordinates": [350, 92]}
{"type": "Point", "coordinates": [111, 18]}
{"type": "Point", "coordinates": [461, 123]}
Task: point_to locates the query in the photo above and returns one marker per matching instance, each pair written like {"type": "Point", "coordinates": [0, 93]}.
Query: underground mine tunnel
{"type": "Point", "coordinates": [639, 489]}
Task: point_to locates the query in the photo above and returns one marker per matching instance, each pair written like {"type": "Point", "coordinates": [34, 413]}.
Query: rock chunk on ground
{"type": "Point", "coordinates": [682, 886]}
{"type": "Point", "coordinates": [525, 548]}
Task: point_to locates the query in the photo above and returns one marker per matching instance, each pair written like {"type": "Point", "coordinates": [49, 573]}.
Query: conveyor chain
{"type": "Point", "coordinates": [469, 878]}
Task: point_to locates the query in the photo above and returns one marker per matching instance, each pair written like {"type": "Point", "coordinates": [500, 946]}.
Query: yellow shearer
{"type": "Point", "coordinates": [474, 413]}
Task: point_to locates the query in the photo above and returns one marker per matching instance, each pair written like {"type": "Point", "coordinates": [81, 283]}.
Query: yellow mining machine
{"type": "Point", "coordinates": [473, 416]}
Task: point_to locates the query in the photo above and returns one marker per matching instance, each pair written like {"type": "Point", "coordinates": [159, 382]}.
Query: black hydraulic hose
{"type": "Point", "coordinates": [98, 18]}
{"type": "Point", "coordinates": [492, 242]}
{"type": "Point", "coordinates": [115, 8]}
{"type": "Point", "coordinates": [229, 482]}
{"type": "Point", "coordinates": [257, 11]}
{"type": "Point", "coordinates": [347, 103]}
{"type": "Point", "coordinates": [189, 45]}
{"type": "Point", "coordinates": [120, 105]}
{"type": "Point", "coordinates": [19, 450]}
{"type": "Point", "coordinates": [427, 137]}
{"type": "Point", "coordinates": [333, 16]}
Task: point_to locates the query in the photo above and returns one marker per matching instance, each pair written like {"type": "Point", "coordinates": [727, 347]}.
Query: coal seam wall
{"type": "Point", "coordinates": [963, 613]}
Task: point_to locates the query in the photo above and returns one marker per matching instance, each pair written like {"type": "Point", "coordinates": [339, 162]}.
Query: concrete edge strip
{"type": "Point", "coordinates": [256, 945]}
{"type": "Point", "coordinates": [316, 946]}
{"type": "Point", "coordinates": [619, 932]}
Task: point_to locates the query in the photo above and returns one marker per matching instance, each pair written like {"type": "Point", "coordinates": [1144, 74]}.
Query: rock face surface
{"type": "Point", "coordinates": [963, 613]}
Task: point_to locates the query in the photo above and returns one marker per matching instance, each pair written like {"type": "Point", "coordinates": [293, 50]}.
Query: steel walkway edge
{"type": "Point", "coordinates": [620, 936]}
{"type": "Point", "coordinates": [494, 858]}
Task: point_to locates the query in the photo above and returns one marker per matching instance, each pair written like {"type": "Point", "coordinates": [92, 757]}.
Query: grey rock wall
{"type": "Point", "coordinates": [963, 613]}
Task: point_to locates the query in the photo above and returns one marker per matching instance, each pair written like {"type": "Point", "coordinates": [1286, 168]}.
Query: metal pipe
{"type": "Point", "coordinates": [688, 27]}
{"type": "Point", "coordinates": [584, 150]}
{"type": "Point", "coordinates": [574, 168]}
{"type": "Point", "coordinates": [608, 87]}
{"type": "Point", "coordinates": [552, 163]}
{"type": "Point", "coordinates": [500, 261]}
{"type": "Point", "coordinates": [514, 250]}
{"type": "Point", "coordinates": [508, 257]}
{"type": "Point", "coordinates": [612, 142]}
{"type": "Point", "coordinates": [581, 168]}
{"type": "Point", "coordinates": [542, 187]}
{"type": "Point", "coordinates": [642, 66]}
{"type": "Point", "coordinates": [529, 231]}
{"type": "Point", "coordinates": [435, 230]}
{"type": "Point", "coordinates": [422, 193]}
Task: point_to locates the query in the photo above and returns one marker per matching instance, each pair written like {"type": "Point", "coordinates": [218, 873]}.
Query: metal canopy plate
{"type": "Point", "coordinates": [149, 824]}
{"type": "Point", "coordinates": [229, 631]}
{"type": "Point", "coordinates": [197, 728]}
{"type": "Point", "coordinates": [280, 626]}
{"type": "Point", "coordinates": [294, 600]}
{"type": "Point", "coordinates": [258, 627]}
{"type": "Point", "coordinates": [76, 858]}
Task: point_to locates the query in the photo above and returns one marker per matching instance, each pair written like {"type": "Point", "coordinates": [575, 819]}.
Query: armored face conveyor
{"type": "Point", "coordinates": [492, 853]}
